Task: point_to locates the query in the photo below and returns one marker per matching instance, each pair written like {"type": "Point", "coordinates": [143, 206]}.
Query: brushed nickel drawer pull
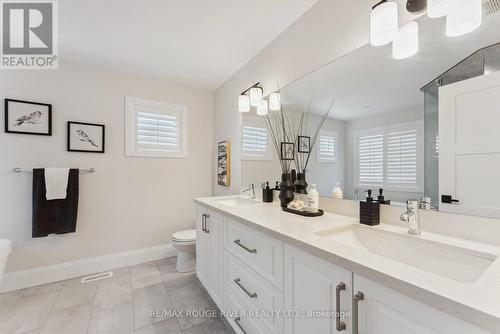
{"type": "Point", "coordinates": [238, 283]}
{"type": "Point", "coordinates": [340, 325]}
{"type": "Point", "coordinates": [206, 225]}
{"type": "Point", "coordinates": [355, 311]}
{"type": "Point", "coordinates": [238, 242]}
{"type": "Point", "coordinates": [203, 221]}
{"type": "Point", "coordinates": [237, 321]}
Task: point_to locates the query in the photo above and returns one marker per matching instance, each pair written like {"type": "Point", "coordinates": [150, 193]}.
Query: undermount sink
{"type": "Point", "coordinates": [235, 201]}
{"type": "Point", "coordinates": [459, 264]}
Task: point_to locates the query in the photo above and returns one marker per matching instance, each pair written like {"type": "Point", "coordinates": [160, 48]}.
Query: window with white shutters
{"type": "Point", "coordinates": [371, 159]}
{"type": "Point", "coordinates": [327, 146]}
{"type": "Point", "coordinates": [155, 129]}
{"type": "Point", "coordinates": [391, 157]}
{"type": "Point", "coordinates": [255, 144]}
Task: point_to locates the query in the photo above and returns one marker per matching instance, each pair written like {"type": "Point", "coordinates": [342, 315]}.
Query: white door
{"type": "Point", "coordinates": [202, 248]}
{"type": "Point", "coordinates": [384, 311]}
{"type": "Point", "coordinates": [214, 228]}
{"type": "Point", "coordinates": [469, 146]}
{"type": "Point", "coordinates": [311, 285]}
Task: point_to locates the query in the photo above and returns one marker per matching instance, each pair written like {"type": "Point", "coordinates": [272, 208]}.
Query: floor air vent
{"type": "Point", "coordinates": [491, 7]}
{"type": "Point", "coordinates": [96, 277]}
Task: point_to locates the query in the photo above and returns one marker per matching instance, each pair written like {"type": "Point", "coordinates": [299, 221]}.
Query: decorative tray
{"type": "Point", "coordinates": [304, 213]}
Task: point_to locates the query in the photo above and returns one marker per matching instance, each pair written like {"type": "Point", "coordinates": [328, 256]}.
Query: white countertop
{"type": "Point", "coordinates": [477, 302]}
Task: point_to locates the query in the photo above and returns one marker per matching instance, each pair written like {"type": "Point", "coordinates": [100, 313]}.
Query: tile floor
{"type": "Point", "coordinates": [121, 305]}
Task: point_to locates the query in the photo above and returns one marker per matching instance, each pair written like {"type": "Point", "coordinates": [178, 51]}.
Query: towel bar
{"type": "Point", "coordinates": [20, 170]}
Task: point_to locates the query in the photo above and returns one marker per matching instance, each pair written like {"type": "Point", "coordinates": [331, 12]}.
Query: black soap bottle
{"type": "Point", "coordinates": [267, 194]}
{"type": "Point", "coordinates": [369, 211]}
{"type": "Point", "coordinates": [381, 199]}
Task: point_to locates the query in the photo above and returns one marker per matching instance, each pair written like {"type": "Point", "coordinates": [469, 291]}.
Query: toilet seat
{"type": "Point", "coordinates": [184, 236]}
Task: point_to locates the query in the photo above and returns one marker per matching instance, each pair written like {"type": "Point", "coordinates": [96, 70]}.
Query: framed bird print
{"type": "Point", "coordinates": [85, 137]}
{"type": "Point", "coordinates": [25, 117]}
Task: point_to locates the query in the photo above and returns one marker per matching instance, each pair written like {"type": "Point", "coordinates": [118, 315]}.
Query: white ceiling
{"type": "Point", "coordinates": [197, 43]}
{"type": "Point", "coordinates": [368, 81]}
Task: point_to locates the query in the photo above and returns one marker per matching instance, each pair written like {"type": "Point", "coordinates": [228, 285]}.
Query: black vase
{"type": "Point", "coordinates": [286, 190]}
{"type": "Point", "coordinates": [301, 184]}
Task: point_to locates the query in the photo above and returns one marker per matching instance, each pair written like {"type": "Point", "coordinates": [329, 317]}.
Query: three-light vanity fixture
{"type": "Point", "coordinates": [462, 17]}
{"type": "Point", "coordinates": [252, 97]}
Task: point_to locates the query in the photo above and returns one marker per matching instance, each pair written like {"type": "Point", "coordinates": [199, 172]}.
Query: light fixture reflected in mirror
{"type": "Point", "coordinates": [438, 8]}
{"type": "Point", "coordinates": [383, 23]}
{"type": "Point", "coordinates": [244, 103]}
{"type": "Point", "coordinates": [275, 101]}
{"type": "Point", "coordinates": [464, 17]}
{"type": "Point", "coordinates": [405, 43]}
{"type": "Point", "coordinates": [262, 107]}
{"type": "Point", "coordinates": [255, 96]}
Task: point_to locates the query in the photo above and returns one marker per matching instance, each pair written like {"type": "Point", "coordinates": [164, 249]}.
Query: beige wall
{"type": "Point", "coordinates": [129, 203]}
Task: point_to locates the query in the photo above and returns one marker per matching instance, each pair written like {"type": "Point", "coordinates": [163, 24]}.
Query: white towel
{"type": "Point", "coordinates": [56, 183]}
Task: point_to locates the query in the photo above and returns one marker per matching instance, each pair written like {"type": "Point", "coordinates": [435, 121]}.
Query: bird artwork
{"type": "Point", "coordinates": [33, 118]}
{"type": "Point", "coordinates": [82, 136]}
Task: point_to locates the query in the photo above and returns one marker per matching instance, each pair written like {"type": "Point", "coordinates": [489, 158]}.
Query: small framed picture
{"type": "Point", "coordinates": [85, 137]}
{"type": "Point", "coordinates": [25, 117]}
{"type": "Point", "coordinates": [287, 151]}
{"type": "Point", "coordinates": [224, 163]}
{"type": "Point", "coordinates": [304, 144]}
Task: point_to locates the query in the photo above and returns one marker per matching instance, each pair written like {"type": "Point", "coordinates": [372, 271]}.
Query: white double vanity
{"type": "Point", "coordinates": [275, 272]}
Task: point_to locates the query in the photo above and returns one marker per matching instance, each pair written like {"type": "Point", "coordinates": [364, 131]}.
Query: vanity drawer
{"type": "Point", "coordinates": [256, 250]}
{"type": "Point", "coordinates": [238, 316]}
{"type": "Point", "coordinates": [256, 292]}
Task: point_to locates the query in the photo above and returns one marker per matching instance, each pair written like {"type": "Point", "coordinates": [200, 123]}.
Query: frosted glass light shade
{"type": "Point", "coordinates": [262, 108]}
{"type": "Point", "coordinates": [275, 101]}
{"type": "Point", "coordinates": [438, 8]}
{"type": "Point", "coordinates": [464, 17]}
{"type": "Point", "coordinates": [405, 43]}
{"type": "Point", "coordinates": [383, 23]}
{"type": "Point", "coordinates": [255, 96]}
{"type": "Point", "coordinates": [244, 103]}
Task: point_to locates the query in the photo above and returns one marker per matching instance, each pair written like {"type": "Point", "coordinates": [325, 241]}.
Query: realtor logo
{"type": "Point", "coordinates": [29, 34]}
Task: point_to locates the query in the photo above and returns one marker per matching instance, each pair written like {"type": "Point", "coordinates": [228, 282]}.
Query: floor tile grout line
{"type": "Point", "coordinates": [50, 311]}
{"type": "Point", "coordinates": [133, 305]}
{"type": "Point", "coordinates": [93, 308]}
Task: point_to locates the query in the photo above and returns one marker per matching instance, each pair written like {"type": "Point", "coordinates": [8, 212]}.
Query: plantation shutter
{"type": "Point", "coordinates": [371, 159]}
{"type": "Point", "coordinates": [327, 147]}
{"type": "Point", "coordinates": [158, 131]}
{"type": "Point", "coordinates": [254, 142]}
{"type": "Point", "coordinates": [401, 148]}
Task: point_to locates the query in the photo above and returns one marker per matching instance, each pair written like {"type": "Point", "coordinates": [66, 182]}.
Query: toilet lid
{"type": "Point", "coordinates": [187, 235]}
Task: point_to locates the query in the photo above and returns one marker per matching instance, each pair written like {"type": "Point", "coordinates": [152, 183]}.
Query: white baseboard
{"type": "Point", "coordinates": [57, 272]}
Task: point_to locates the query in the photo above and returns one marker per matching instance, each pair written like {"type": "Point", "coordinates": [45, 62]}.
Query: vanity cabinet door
{"type": "Point", "coordinates": [312, 284]}
{"type": "Point", "coordinates": [214, 227]}
{"type": "Point", "coordinates": [202, 248]}
{"type": "Point", "coordinates": [384, 311]}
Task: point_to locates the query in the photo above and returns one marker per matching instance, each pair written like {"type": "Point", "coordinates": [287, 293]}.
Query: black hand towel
{"type": "Point", "coordinates": [55, 216]}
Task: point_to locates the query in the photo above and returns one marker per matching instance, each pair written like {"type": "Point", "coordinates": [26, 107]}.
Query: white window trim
{"type": "Point", "coordinates": [131, 149]}
{"type": "Point", "coordinates": [419, 125]}
{"type": "Point", "coordinates": [250, 121]}
{"type": "Point", "coordinates": [319, 157]}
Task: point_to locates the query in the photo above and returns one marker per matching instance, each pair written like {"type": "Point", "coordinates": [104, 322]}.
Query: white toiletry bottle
{"type": "Point", "coordinates": [337, 192]}
{"type": "Point", "coordinates": [313, 199]}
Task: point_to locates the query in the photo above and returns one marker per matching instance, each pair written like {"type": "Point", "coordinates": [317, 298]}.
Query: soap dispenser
{"type": "Point", "coordinates": [267, 194]}
{"type": "Point", "coordinates": [369, 211]}
{"type": "Point", "coordinates": [381, 199]}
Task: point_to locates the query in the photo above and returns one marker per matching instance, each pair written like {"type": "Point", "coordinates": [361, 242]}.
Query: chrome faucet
{"type": "Point", "coordinates": [412, 216]}
{"type": "Point", "coordinates": [250, 188]}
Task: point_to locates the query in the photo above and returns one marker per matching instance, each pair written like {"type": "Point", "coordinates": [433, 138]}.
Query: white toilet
{"type": "Point", "coordinates": [185, 243]}
{"type": "Point", "coordinates": [5, 249]}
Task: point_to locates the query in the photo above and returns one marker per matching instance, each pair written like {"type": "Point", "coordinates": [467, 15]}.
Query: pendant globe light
{"type": "Point", "coordinates": [275, 101]}
{"type": "Point", "coordinates": [464, 17]}
{"type": "Point", "coordinates": [438, 8]}
{"type": "Point", "coordinates": [405, 43]}
{"type": "Point", "coordinates": [383, 23]}
{"type": "Point", "coordinates": [244, 103]}
{"type": "Point", "coordinates": [255, 96]}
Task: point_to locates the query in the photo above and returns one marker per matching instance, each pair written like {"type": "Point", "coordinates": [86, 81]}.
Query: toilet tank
{"type": "Point", "coordinates": [5, 250]}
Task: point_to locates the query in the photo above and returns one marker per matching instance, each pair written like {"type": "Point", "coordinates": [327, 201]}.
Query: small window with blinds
{"type": "Point", "coordinates": [155, 129]}
{"type": "Point", "coordinates": [327, 146]}
{"type": "Point", "coordinates": [391, 157]}
{"type": "Point", "coordinates": [254, 143]}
